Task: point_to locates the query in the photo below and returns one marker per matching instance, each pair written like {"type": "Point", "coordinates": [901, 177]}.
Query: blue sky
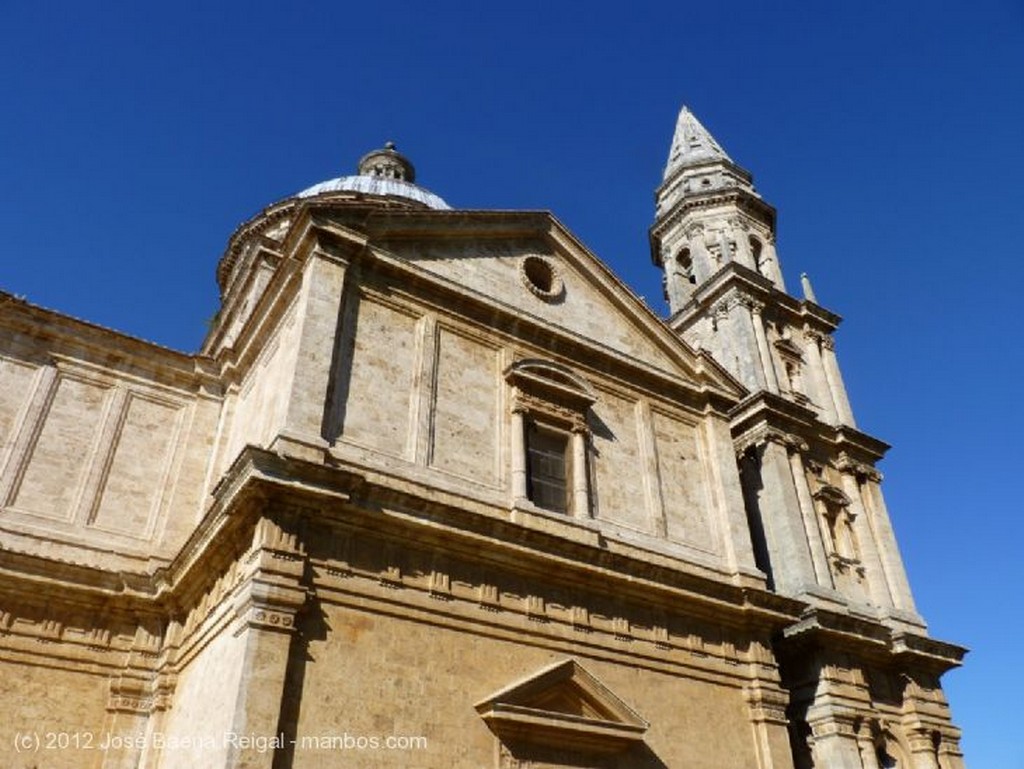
{"type": "Point", "coordinates": [135, 137]}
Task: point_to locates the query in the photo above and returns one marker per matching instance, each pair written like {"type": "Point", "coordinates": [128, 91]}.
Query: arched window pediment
{"type": "Point", "coordinates": [551, 381]}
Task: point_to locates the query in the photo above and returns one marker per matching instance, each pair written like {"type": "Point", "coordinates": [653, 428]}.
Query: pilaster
{"type": "Point", "coordinates": [822, 391]}
{"type": "Point", "coordinates": [518, 455]}
{"type": "Point", "coordinates": [764, 351]}
{"type": "Point", "coordinates": [892, 563]}
{"type": "Point", "coordinates": [265, 611]}
{"type": "Point", "coordinates": [923, 749]}
{"type": "Point", "coordinates": [835, 741]}
{"type": "Point", "coordinates": [878, 588]}
{"type": "Point", "coordinates": [580, 492]}
{"type": "Point", "coordinates": [781, 516]}
{"type": "Point", "coordinates": [835, 381]}
{"type": "Point", "coordinates": [318, 315]}
{"type": "Point", "coordinates": [767, 707]}
{"type": "Point", "coordinates": [812, 526]}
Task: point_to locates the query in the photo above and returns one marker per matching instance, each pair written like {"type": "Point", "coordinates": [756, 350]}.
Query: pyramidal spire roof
{"type": "Point", "coordinates": [692, 144]}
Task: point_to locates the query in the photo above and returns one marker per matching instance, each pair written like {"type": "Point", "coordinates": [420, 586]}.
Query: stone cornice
{"type": "Point", "coordinates": [260, 481]}
{"type": "Point", "coordinates": [695, 383]}
{"type": "Point", "coordinates": [763, 412]}
{"type": "Point", "coordinates": [257, 225]}
{"type": "Point", "coordinates": [733, 282]}
{"type": "Point", "coordinates": [744, 200]}
{"type": "Point", "coordinates": [55, 329]}
{"type": "Point", "coordinates": [870, 641]}
{"type": "Point", "coordinates": [387, 510]}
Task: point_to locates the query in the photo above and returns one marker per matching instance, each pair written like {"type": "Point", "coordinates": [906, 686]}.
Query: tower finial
{"type": "Point", "coordinates": [805, 284]}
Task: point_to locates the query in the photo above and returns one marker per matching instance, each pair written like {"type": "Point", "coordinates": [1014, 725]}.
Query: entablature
{"type": "Point", "coordinates": [735, 284]}
{"type": "Point", "coordinates": [871, 641]}
{"type": "Point", "coordinates": [763, 415]}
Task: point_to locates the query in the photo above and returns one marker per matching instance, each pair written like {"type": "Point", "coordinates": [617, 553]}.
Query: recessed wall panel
{"type": "Point", "coordinates": [140, 461]}
{"type": "Point", "coordinates": [380, 381]}
{"type": "Point", "coordinates": [683, 482]}
{"type": "Point", "coordinates": [618, 467]}
{"type": "Point", "coordinates": [15, 389]}
{"type": "Point", "coordinates": [63, 450]}
{"type": "Point", "coordinates": [465, 429]}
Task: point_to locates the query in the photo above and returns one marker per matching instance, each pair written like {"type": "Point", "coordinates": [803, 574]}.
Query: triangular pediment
{"type": "Point", "coordinates": [787, 347]}
{"type": "Point", "coordinates": [528, 264]}
{"type": "Point", "coordinates": [831, 495]}
{"type": "Point", "coordinates": [565, 705]}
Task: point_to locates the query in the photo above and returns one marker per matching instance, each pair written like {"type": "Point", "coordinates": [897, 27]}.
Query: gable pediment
{"type": "Point", "coordinates": [528, 265]}
{"type": "Point", "coordinates": [787, 347]}
{"type": "Point", "coordinates": [563, 705]}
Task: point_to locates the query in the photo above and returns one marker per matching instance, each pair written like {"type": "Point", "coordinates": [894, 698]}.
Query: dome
{"type": "Point", "coordinates": [373, 185]}
{"type": "Point", "coordinates": [384, 173]}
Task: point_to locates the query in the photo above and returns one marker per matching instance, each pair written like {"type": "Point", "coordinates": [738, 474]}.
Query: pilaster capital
{"type": "Point", "coordinates": [922, 740]}
{"type": "Point", "coordinates": [860, 470]}
{"type": "Point", "coordinates": [766, 704]}
{"type": "Point", "coordinates": [793, 444]}
{"type": "Point", "coordinates": [835, 722]}
{"type": "Point", "coordinates": [744, 299]}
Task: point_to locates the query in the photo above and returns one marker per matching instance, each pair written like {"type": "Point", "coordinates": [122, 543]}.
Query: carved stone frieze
{"type": "Point", "coordinates": [488, 596]}
{"type": "Point", "coordinates": [579, 617]}
{"type": "Point", "coordinates": [276, 620]}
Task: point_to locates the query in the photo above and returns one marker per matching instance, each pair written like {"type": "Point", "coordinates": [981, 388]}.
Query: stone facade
{"type": "Point", "coordinates": [439, 491]}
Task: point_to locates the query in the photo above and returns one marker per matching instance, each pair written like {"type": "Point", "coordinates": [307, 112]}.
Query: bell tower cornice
{"type": "Point", "coordinates": [750, 207]}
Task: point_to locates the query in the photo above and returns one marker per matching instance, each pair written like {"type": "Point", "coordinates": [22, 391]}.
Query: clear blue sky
{"type": "Point", "coordinates": [890, 136]}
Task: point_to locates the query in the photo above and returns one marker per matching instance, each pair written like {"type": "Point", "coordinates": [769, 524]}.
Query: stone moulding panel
{"type": "Point", "coordinates": [58, 447]}
{"type": "Point", "coordinates": [685, 492]}
{"type": "Point", "coordinates": [378, 389]}
{"type": "Point", "coordinates": [464, 427]}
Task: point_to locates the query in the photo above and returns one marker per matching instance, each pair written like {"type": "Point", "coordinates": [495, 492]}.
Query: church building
{"type": "Point", "coordinates": [440, 491]}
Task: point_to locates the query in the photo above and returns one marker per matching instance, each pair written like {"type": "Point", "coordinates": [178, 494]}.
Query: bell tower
{"type": "Point", "coordinates": [816, 510]}
{"type": "Point", "coordinates": [813, 499]}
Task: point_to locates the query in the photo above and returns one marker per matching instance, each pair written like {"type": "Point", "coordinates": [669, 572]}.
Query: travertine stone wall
{"type": "Point", "coordinates": [466, 417]}
{"type": "Point", "coordinates": [381, 363]}
{"type": "Point", "coordinates": [494, 269]}
{"type": "Point", "coordinates": [53, 716]}
{"type": "Point", "coordinates": [100, 453]}
{"type": "Point", "coordinates": [417, 378]}
{"type": "Point", "coordinates": [425, 679]}
{"type": "Point", "coordinates": [259, 404]}
{"type": "Point", "coordinates": [205, 701]}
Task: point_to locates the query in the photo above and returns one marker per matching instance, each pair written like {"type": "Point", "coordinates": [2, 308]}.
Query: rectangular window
{"type": "Point", "coordinates": [547, 468]}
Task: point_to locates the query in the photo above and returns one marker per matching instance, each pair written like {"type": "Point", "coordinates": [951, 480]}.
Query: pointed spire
{"type": "Point", "coordinates": [692, 144]}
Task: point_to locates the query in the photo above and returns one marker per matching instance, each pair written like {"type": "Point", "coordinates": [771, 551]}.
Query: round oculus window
{"type": "Point", "coordinates": [541, 277]}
